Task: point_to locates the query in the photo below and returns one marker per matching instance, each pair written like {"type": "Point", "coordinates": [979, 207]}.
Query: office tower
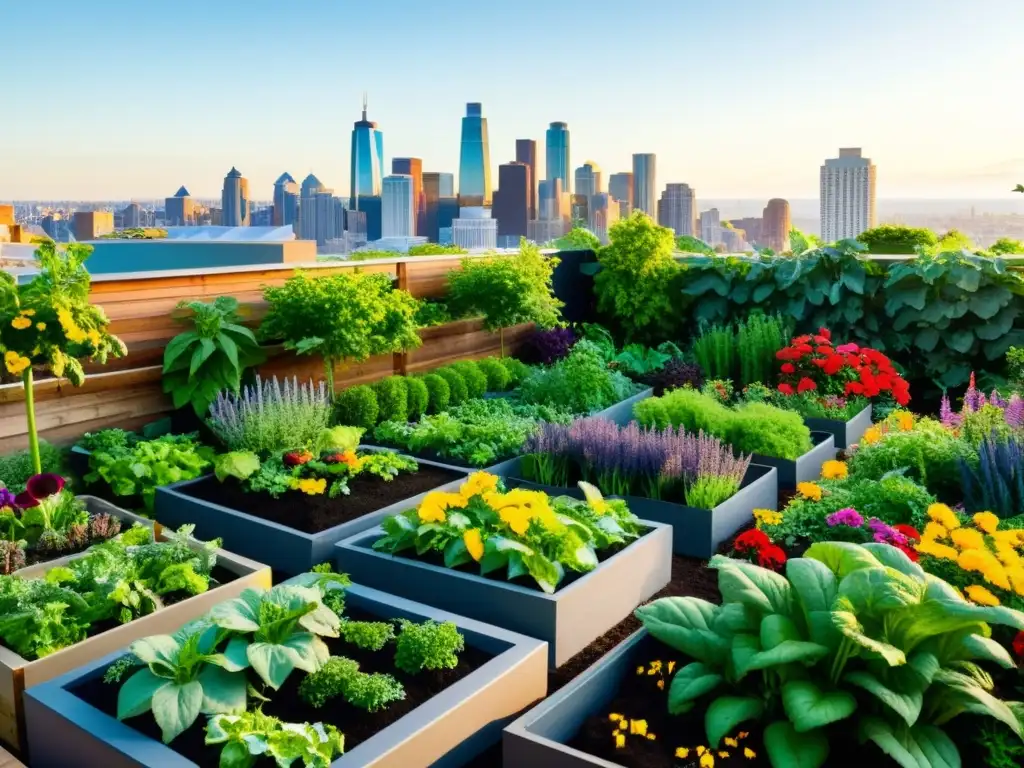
{"type": "Point", "coordinates": [557, 145]}
{"type": "Point", "coordinates": [286, 201]}
{"type": "Point", "coordinates": [553, 212]}
{"type": "Point", "coordinates": [413, 166]}
{"type": "Point", "coordinates": [180, 210]}
{"type": "Point", "coordinates": [512, 203]}
{"type": "Point", "coordinates": [776, 225]}
{"type": "Point", "coordinates": [436, 187]}
{"type": "Point", "coordinates": [367, 159]}
{"type": "Point", "coordinates": [604, 212]}
{"type": "Point", "coordinates": [751, 227]}
{"type": "Point", "coordinates": [398, 217]}
{"type": "Point", "coordinates": [620, 187]}
{"type": "Point", "coordinates": [847, 195]}
{"type": "Point", "coordinates": [88, 225]}
{"type": "Point", "coordinates": [373, 206]}
{"type": "Point", "coordinates": [677, 208]}
{"type": "Point", "coordinates": [588, 179]}
{"type": "Point", "coordinates": [645, 190]}
{"type": "Point", "coordinates": [131, 216]}
{"type": "Point", "coordinates": [321, 216]}
{"type": "Point", "coordinates": [526, 152]}
{"type": "Point", "coordinates": [235, 200]}
{"type": "Point", "coordinates": [474, 159]}
{"type": "Point", "coordinates": [474, 229]}
{"type": "Point", "coordinates": [447, 212]}
{"type": "Point", "coordinates": [711, 227]}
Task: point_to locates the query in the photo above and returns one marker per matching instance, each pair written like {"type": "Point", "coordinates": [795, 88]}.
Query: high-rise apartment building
{"type": "Point", "coordinates": [526, 152]}
{"type": "Point", "coordinates": [677, 208]}
{"type": "Point", "coordinates": [557, 146]}
{"type": "Point", "coordinates": [474, 229]}
{"type": "Point", "coordinates": [711, 227]}
{"type": "Point", "coordinates": [367, 159]}
{"type": "Point", "coordinates": [620, 187]}
{"type": "Point", "coordinates": [88, 225]}
{"type": "Point", "coordinates": [180, 210]}
{"type": "Point", "coordinates": [286, 201]}
{"type": "Point", "coordinates": [847, 195]}
{"type": "Point", "coordinates": [553, 212]}
{"type": "Point", "coordinates": [588, 179]}
{"type": "Point", "coordinates": [474, 159]}
{"type": "Point", "coordinates": [512, 203]}
{"type": "Point", "coordinates": [436, 187]}
{"type": "Point", "coordinates": [775, 225]}
{"type": "Point", "coordinates": [413, 166]}
{"type": "Point", "coordinates": [604, 212]}
{"type": "Point", "coordinates": [235, 202]}
{"type": "Point", "coordinates": [645, 190]}
{"type": "Point", "coordinates": [321, 215]}
{"type": "Point", "coordinates": [398, 209]}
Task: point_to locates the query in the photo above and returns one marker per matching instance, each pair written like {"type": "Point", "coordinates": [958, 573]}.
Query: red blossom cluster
{"type": "Point", "coordinates": [912, 536]}
{"type": "Point", "coordinates": [758, 548]}
{"type": "Point", "coordinates": [812, 364]}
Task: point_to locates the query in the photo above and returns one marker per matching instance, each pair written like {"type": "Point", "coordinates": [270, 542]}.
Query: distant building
{"type": "Point", "coordinates": [620, 187]}
{"type": "Point", "coordinates": [474, 159]}
{"type": "Point", "coordinates": [436, 186]}
{"type": "Point", "coordinates": [645, 190]}
{"type": "Point", "coordinates": [677, 209]}
{"type": "Point", "coordinates": [526, 152]}
{"type": "Point", "coordinates": [776, 225]}
{"type": "Point", "coordinates": [475, 230]}
{"type": "Point", "coordinates": [557, 145]}
{"type": "Point", "coordinates": [751, 227]}
{"type": "Point", "coordinates": [512, 202]}
{"type": "Point", "coordinates": [604, 212]}
{"type": "Point", "coordinates": [286, 201]}
{"type": "Point", "coordinates": [57, 227]}
{"type": "Point", "coordinates": [847, 195]}
{"type": "Point", "coordinates": [180, 210]}
{"type": "Point", "coordinates": [553, 212]}
{"type": "Point", "coordinates": [131, 216]}
{"type": "Point", "coordinates": [588, 179]}
{"type": "Point", "coordinates": [235, 200]}
{"type": "Point", "coordinates": [321, 213]}
{"type": "Point", "coordinates": [734, 241]}
{"type": "Point", "coordinates": [413, 167]}
{"type": "Point", "coordinates": [367, 159]}
{"type": "Point", "coordinates": [447, 212]}
{"type": "Point", "coordinates": [398, 212]}
{"type": "Point", "coordinates": [373, 206]}
{"type": "Point", "coordinates": [711, 227]}
{"type": "Point", "coordinates": [88, 225]}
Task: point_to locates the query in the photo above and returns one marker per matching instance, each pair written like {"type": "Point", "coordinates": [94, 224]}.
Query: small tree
{"type": "Point", "coordinates": [343, 317]}
{"type": "Point", "coordinates": [691, 244]}
{"type": "Point", "coordinates": [891, 239]}
{"type": "Point", "coordinates": [506, 290]}
{"type": "Point", "coordinates": [48, 323]}
{"type": "Point", "coordinates": [1006, 245]}
{"type": "Point", "coordinates": [577, 239]}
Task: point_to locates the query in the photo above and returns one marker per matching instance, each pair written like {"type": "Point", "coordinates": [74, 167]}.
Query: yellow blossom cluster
{"type": "Point", "coordinates": [309, 485]}
{"type": "Point", "coordinates": [834, 470]}
{"type": "Point", "coordinates": [706, 756]}
{"type": "Point", "coordinates": [871, 435]}
{"type": "Point", "coordinates": [810, 491]}
{"type": "Point", "coordinates": [624, 726]}
{"type": "Point", "coordinates": [15, 363]}
{"type": "Point", "coordinates": [767, 517]}
{"type": "Point", "coordinates": [657, 669]}
{"type": "Point", "coordinates": [901, 421]}
{"type": "Point", "coordinates": [516, 508]}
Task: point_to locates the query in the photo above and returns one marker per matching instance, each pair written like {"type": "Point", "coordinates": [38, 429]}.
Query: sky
{"type": "Point", "coordinates": [120, 99]}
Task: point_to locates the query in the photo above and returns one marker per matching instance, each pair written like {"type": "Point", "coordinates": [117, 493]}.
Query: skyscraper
{"type": "Point", "coordinates": [526, 152]}
{"type": "Point", "coordinates": [847, 195]}
{"type": "Point", "coordinates": [436, 187]}
{"type": "Point", "coordinates": [413, 166]}
{"type": "Point", "coordinates": [512, 203]}
{"type": "Point", "coordinates": [131, 216]}
{"type": "Point", "coordinates": [286, 201]}
{"type": "Point", "coordinates": [320, 217]}
{"type": "Point", "coordinates": [645, 190]}
{"type": "Point", "coordinates": [474, 159]}
{"type": "Point", "coordinates": [588, 179]}
{"type": "Point", "coordinates": [677, 208]}
{"type": "Point", "coordinates": [776, 225]}
{"type": "Point", "coordinates": [557, 145]}
{"type": "Point", "coordinates": [367, 159]}
{"type": "Point", "coordinates": [398, 211]}
{"type": "Point", "coordinates": [620, 186]}
{"type": "Point", "coordinates": [180, 210]}
{"type": "Point", "coordinates": [552, 212]}
{"type": "Point", "coordinates": [235, 200]}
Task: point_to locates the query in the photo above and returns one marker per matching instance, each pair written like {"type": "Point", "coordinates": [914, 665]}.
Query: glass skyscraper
{"type": "Point", "coordinates": [367, 159]}
{"type": "Point", "coordinates": [474, 159]}
{"type": "Point", "coordinates": [558, 154]}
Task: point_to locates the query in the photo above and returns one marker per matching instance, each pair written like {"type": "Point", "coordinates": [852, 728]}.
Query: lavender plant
{"type": "Point", "coordinates": [696, 469]}
{"type": "Point", "coordinates": [996, 484]}
{"type": "Point", "coordinates": [270, 415]}
{"type": "Point", "coordinates": [980, 417]}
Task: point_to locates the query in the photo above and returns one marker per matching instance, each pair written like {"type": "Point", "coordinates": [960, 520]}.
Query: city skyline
{"type": "Point", "coordinates": [776, 110]}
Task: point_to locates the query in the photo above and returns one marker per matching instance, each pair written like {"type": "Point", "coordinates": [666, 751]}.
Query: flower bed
{"type": "Point", "coordinates": [437, 689]}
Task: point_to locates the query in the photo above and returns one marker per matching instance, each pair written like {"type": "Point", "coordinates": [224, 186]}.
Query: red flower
{"type": "Point", "coordinates": [1018, 643]}
{"type": "Point", "coordinates": [786, 389]}
{"type": "Point", "coordinates": [832, 365]}
{"type": "Point", "coordinates": [296, 458]}
{"type": "Point", "coordinates": [804, 349]}
{"type": "Point", "coordinates": [823, 348]}
{"type": "Point", "coordinates": [806, 385]}
{"type": "Point", "coordinates": [825, 332]}
{"type": "Point", "coordinates": [909, 552]}
{"type": "Point", "coordinates": [902, 397]}
{"type": "Point", "coordinates": [908, 530]}
{"type": "Point", "coordinates": [854, 388]}
{"type": "Point", "coordinates": [752, 540]}
{"type": "Point", "coordinates": [801, 339]}
{"type": "Point", "coordinates": [771, 557]}
{"type": "Point", "coordinates": [788, 368]}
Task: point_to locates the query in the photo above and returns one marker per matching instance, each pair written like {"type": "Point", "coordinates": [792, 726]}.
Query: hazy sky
{"type": "Point", "coordinates": [740, 99]}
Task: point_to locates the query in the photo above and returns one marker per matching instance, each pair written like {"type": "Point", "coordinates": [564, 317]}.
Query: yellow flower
{"type": "Point", "coordinates": [731, 742]}
{"type": "Point", "coordinates": [479, 483]}
{"type": "Point", "coordinates": [933, 548]}
{"type": "Point", "coordinates": [474, 543]}
{"type": "Point", "coordinates": [933, 531]}
{"type": "Point", "coordinates": [871, 435]}
{"type": "Point", "coordinates": [707, 760]}
{"type": "Point", "coordinates": [15, 363]}
{"type": "Point", "coordinates": [767, 517]}
{"type": "Point", "coordinates": [620, 740]}
{"type": "Point", "coordinates": [942, 514]}
{"type": "Point", "coordinates": [94, 337]}
{"type": "Point", "coordinates": [1016, 576]}
{"type": "Point", "coordinates": [904, 420]}
{"type": "Point", "coordinates": [834, 470]}
{"type": "Point", "coordinates": [682, 752]}
{"type": "Point", "coordinates": [701, 750]}
{"type": "Point", "coordinates": [980, 595]}
{"type": "Point", "coordinates": [1007, 555]}
{"type": "Point", "coordinates": [809, 491]}
{"type": "Point", "coordinates": [613, 716]}
{"type": "Point", "coordinates": [432, 508]}
{"type": "Point", "coordinates": [749, 753]}
{"type": "Point", "coordinates": [967, 538]}
{"type": "Point", "coordinates": [655, 668]}
{"type": "Point", "coordinates": [671, 666]}
{"type": "Point", "coordinates": [28, 312]}
{"type": "Point", "coordinates": [75, 334]}
{"type": "Point", "coordinates": [40, 326]}
{"type": "Point", "coordinates": [516, 518]}
{"type": "Point", "coordinates": [724, 755]}
{"type": "Point", "coordinates": [661, 684]}
{"type": "Point", "coordinates": [986, 521]}
{"type": "Point", "coordinates": [310, 485]}
{"type": "Point", "coordinates": [650, 737]}
{"type": "Point", "coordinates": [638, 727]}
{"type": "Point", "coordinates": [639, 670]}
{"type": "Point", "coordinates": [21, 323]}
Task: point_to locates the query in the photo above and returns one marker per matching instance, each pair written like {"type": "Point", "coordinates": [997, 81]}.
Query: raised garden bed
{"type": "Point", "coordinates": [846, 433]}
{"type": "Point", "coordinates": [296, 531]}
{"type": "Point", "coordinates": [501, 674]}
{"type": "Point", "coordinates": [569, 619]}
{"type": "Point", "coordinates": [622, 412]}
{"type": "Point", "coordinates": [803, 469]}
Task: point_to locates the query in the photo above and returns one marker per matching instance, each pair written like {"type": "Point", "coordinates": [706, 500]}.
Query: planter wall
{"type": "Point", "coordinates": [538, 738]}
{"type": "Point", "coordinates": [622, 412]}
{"type": "Point", "coordinates": [569, 620]}
{"type": "Point", "coordinates": [445, 732]}
{"type": "Point", "coordinates": [282, 548]}
{"type": "Point", "coordinates": [846, 433]}
{"type": "Point", "coordinates": [696, 532]}
{"type": "Point", "coordinates": [806, 468]}
{"type": "Point", "coordinates": [17, 673]}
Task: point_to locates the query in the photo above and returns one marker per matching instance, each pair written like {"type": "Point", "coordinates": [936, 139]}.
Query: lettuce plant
{"type": "Point", "coordinates": [856, 637]}
{"type": "Point", "coordinates": [252, 735]}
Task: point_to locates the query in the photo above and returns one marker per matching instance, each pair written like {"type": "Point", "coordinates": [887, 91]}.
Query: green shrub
{"type": "Point", "coordinates": [517, 370]}
{"type": "Point", "coordinates": [695, 411]}
{"type": "Point", "coordinates": [357, 407]}
{"type": "Point", "coordinates": [16, 468]}
{"type": "Point", "coordinates": [373, 692]}
{"type": "Point", "coordinates": [418, 396]}
{"type": "Point", "coordinates": [458, 392]}
{"type": "Point", "coordinates": [476, 380]}
{"type": "Point", "coordinates": [438, 392]}
{"type": "Point", "coordinates": [428, 646]}
{"type": "Point", "coordinates": [894, 239]}
{"type": "Point", "coordinates": [651, 413]}
{"type": "Point", "coordinates": [498, 377]}
{"type": "Point", "coordinates": [770, 431]}
{"type": "Point", "coordinates": [580, 383]}
{"type": "Point", "coordinates": [368, 635]}
{"type": "Point", "coordinates": [392, 399]}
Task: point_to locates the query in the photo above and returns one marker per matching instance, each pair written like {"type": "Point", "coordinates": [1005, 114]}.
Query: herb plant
{"type": "Point", "coordinates": [497, 374]}
{"type": "Point", "coordinates": [758, 339]}
{"type": "Point", "coordinates": [580, 383]}
{"type": "Point", "coordinates": [548, 346]}
{"type": "Point", "coordinates": [476, 380]}
{"type": "Point", "coordinates": [392, 398]}
{"type": "Point", "coordinates": [715, 351]}
{"type": "Point", "coordinates": [458, 392]}
{"type": "Point", "coordinates": [995, 482]}
{"type": "Point", "coordinates": [418, 397]}
{"type": "Point", "coordinates": [16, 468]}
{"type": "Point", "coordinates": [369, 635]}
{"type": "Point", "coordinates": [428, 646]}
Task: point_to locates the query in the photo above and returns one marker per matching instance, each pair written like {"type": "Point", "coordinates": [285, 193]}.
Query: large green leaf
{"type": "Point", "coordinates": [746, 583]}
{"type": "Point", "coordinates": [961, 340]}
{"type": "Point", "coordinates": [690, 683]}
{"type": "Point", "coordinates": [922, 746]}
{"type": "Point", "coordinates": [808, 707]}
{"type": "Point", "coordinates": [788, 749]}
{"type": "Point", "coordinates": [926, 339]}
{"type": "Point", "coordinates": [684, 623]}
{"type": "Point", "coordinates": [223, 691]}
{"type": "Point", "coordinates": [786, 652]}
{"type": "Point", "coordinates": [201, 355]}
{"type": "Point", "coordinates": [177, 346]}
{"type": "Point", "coordinates": [891, 557]}
{"type": "Point", "coordinates": [840, 557]}
{"type": "Point", "coordinates": [176, 707]}
{"type": "Point", "coordinates": [230, 349]}
{"type": "Point", "coordinates": [815, 586]}
{"type": "Point", "coordinates": [905, 704]}
{"type": "Point", "coordinates": [844, 618]}
{"type": "Point", "coordinates": [726, 712]}
{"type": "Point", "coordinates": [987, 649]}
{"type": "Point", "coordinates": [136, 695]}
{"type": "Point", "coordinates": [777, 629]}
{"type": "Point", "coordinates": [964, 694]}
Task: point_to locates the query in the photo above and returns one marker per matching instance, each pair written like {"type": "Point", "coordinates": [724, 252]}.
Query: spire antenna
{"type": "Point", "coordinates": [364, 105]}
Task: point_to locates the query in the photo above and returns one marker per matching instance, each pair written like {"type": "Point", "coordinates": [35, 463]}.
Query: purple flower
{"type": "Point", "coordinates": [6, 498]}
{"type": "Point", "coordinates": [39, 487]}
{"type": "Point", "coordinates": [1014, 412]}
{"type": "Point", "coordinates": [948, 417]}
{"type": "Point", "coordinates": [847, 516]}
{"type": "Point", "coordinates": [996, 400]}
{"type": "Point", "coordinates": [886, 534]}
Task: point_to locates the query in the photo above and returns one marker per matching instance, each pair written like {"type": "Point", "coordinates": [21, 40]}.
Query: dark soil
{"type": "Point", "coordinates": [356, 724]}
{"type": "Point", "coordinates": [312, 514]}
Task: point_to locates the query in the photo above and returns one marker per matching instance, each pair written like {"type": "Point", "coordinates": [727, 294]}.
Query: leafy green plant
{"type": "Point", "coordinates": [438, 392]}
{"type": "Point", "coordinates": [498, 376]}
{"type": "Point", "coordinates": [691, 244]}
{"type": "Point", "coordinates": [342, 317]}
{"type": "Point", "coordinates": [580, 383]}
{"type": "Point", "coordinates": [638, 361]}
{"type": "Point", "coordinates": [894, 239]}
{"type": "Point", "coordinates": [758, 339]}
{"type": "Point", "coordinates": [476, 380]}
{"type": "Point", "coordinates": [253, 735]}
{"type": "Point", "coordinates": [329, 681]}
{"type": "Point", "coordinates": [373, 692]}
{"type": "Point", "coordinates": [418, 397]}
{"type": "Point", "coordinates": [432, 313]}
{"type": "Point", "coordinates": [1006, 246]}
{"type": "Point", "coordinates": [429, 646]}
{"type": "Point", "coordinates": [108, 440]}
{"type": "Point", "coordinates": [357, 406]}
{"type": "Point", "coordinates": [576, 239]}
{"type": "Point", "coordinates": [369, 635]}
{"type": "Point", "coordinates": [715, 351]}
{"type": "Point", "coordinates": [212, 356]}
{"type": "Point", "coordinates": [392, 398]}
{"type": "Point", "coordinates": [17, 467]}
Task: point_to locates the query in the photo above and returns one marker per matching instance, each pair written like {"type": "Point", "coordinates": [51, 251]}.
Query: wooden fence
{"type": "Point", "coordinates": [127, 392]}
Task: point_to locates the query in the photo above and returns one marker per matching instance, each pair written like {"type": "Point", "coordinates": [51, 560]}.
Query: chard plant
{"type": "Point", "coordinates": [252, 735]}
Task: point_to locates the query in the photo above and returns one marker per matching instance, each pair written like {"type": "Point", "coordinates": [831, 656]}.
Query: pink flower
{"type": "Point", "coordinates": [845, 349]}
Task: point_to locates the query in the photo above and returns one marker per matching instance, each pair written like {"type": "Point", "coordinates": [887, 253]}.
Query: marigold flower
{"type": "Point", "coordinates": [682, 752]}
{"type": "Point", "coordinates": [1016, 576]}
{"type": "Point", "coordinates": [474, 543]}
{"type": "Point", "coordinates": [651, 736]}
{"type": "Point", "coordinates": [311, 486]}
{"type": "Point", "coordinates": [933, 531]}
{"type": "Point", "coordinates": [730, 742]}
{"type": "Point", "coordinates": [516, 518]}
{"type": "Point", "coordinates": [1007, 555]}
{"type": "Point", "coordinates": [640, 670]}
{"type": "Point", "coordinates": [613, 716]}
{"type": "Point", "coordinates": [28, 312]}
{"type": "Point", "coordinates": [904, 420]}
{"type": "Point", "coordinates": [809, 491]}
{"type": "Point", "coordinates": [871, 434]}
{"type": "Point", "coordinates": [479, 483]}
{"type": "Point", "coordinates": [942, 514]}
{"type": "Point", "coordinates": [749, 753]}
{"type": "Point", "coordinates": [986, 521]}
{"type": "Point", "coordinates": [40, 326]}
{"type": "Point", "coordinates": [707, 760]}
{"type": "Point", "coordinates": [620, 740]}
{"type": "Point", "coordinates": [21, 323]}
{"type": "Point", "coordinates": [980, 595]}
{"type": "Point", "coordinates": [933, 548]}
{"type": "Point", "coordinates": [638, 727]}
{"type": "Point", "coordinates": [15, 363]}
{"type": "Point", "coordinates": [767, 517]}
{"type": "Point", "coordinates": [967, 538]}
{"type": "Point", "coordinates": [834, 470]}
{"type": "Point", "coordinates": [724, 755]}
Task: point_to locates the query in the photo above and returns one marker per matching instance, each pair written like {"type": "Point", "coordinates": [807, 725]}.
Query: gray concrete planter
{"type": "Point", "coordinates": [446, 731]}
{"type": "Point", "coordinates": [18, 673]}
{"type": "Point", "coordinates": [622, 412]}
{"type": "Point", "coordinates": [806, 468]}
{"type": "Point", "coordinates": [569, 620]}
{"type": "Point", "coordinates": [696, 532]}
{"type": "Point", "coordinates": [539, 738]}
{"type": "Point", "coordinates": [282, 548]}
{"type": "Point", "coordinates": [846, 433]}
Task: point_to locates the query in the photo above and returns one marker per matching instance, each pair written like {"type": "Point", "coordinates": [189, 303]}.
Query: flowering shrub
{"type": "Point", "coordinates": [982, 418]}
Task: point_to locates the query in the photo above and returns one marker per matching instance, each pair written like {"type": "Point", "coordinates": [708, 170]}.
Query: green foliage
{"type": "Point", "coordinates": [418, 396]}
{"type": "Point", "coordinates": [212, 356]}
{"type": "Point", "coordinates": [108, 440]}
{"type": "Point", "coordinates": [1014, 368]}
{"type": "Point", "coordinates": [392, 398]}
{"type": "Point", "coordinates": [329, 681]}
{"type": "Point", "coordinates": [357, 406]}
{"type": "Point", "coordinates": [432, 313]}
{"type": "Point", "coordinates": [458, 392]}
{"type": "Point", "coordinates": [136, 233]}
{"type": "Point", "coordinates": [16, 468]}
{"type": "Point", "coordinates": [638, 361]}
{"type": "Point", "coordinates": [1006, 246]}
{"type": "Point", "coordinates": [954, 240]}
{"type": "Point", "coordinates": [691, 244]}
{"type": "Point", "coordinates": [894, 239]}
{"type": "Point", "coordinates": [580, 383]}
{"type": "Point", "coordinates": [715, 351]}
{"type": "Point", "coordinates": [1001, 746]}
{"type": "Point", "coordinates": [438, 392]}
{"type": "Point", "coordinates": [577, 239]}
{"type": "Point", "coordinates": [517, 370]}
{"type": "Point", "coordinates": [476, 380]}
{"type": "Point", "coordinates": [434, 249]}
{"type": "Point", "coordinates": [253, 735]}
{"type": "Point", "coordinates": [758, 339]}
{"type": "Point", "coordinates": [373, 692]}
{"type": "Point", "coordinates": [368, 635]}
{"type": "Point", "coordinates": [430, 646]}
{"type": "Point", "coordinates": [116, 671]}
{"type": "Point", "coordinates": [497, 374]}
{"type": "Point", "coordinates": [342, 317]}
